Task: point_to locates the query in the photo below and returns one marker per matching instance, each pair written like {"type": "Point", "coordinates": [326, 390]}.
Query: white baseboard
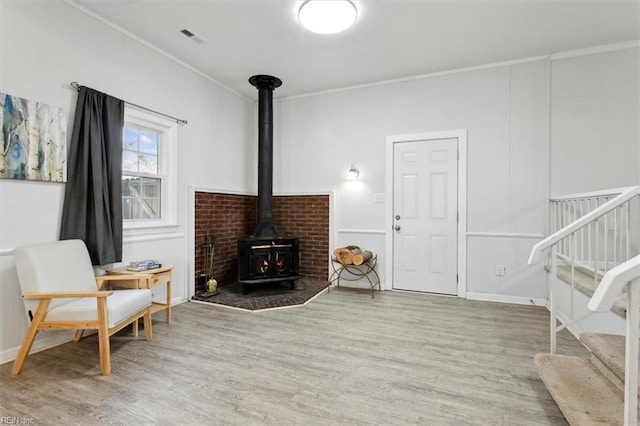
{"type": "Point", "coordinates": [517, 300]}
{"type": "Point", "coordinates": [42, 342]}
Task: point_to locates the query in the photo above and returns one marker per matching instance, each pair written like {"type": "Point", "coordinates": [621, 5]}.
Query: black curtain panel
{"type": "Point", "coordinates": [92, 209]}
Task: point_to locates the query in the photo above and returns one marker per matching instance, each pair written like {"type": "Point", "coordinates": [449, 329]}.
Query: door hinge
{"type": "Point", "coordinates": [457, 216]}
{"type": "Point", "coordinates": [457, 279]}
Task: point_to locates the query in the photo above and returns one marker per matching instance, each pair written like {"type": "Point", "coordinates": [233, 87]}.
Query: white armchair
{"type": "Point", "coordinates": [59, 290]}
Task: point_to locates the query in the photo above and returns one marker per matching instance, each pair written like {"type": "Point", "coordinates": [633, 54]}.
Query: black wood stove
{"type": "Point", "coordinates": [266, 256]}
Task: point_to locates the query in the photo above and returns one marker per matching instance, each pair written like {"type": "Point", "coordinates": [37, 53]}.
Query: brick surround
{"type": "Point", "coordinates": [230, 217]}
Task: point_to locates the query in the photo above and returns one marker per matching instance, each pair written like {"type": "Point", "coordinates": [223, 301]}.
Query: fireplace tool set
{"type": "Point", "coordinates": [207, 283]}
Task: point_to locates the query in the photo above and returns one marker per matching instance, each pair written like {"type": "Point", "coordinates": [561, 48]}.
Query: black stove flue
{"type": "Point", "coordinates": [265, 85]}
{"type": "Point", "coordinates": [266, 256]}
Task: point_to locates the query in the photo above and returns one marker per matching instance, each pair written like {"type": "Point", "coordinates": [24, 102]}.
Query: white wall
{"type": "Point", "coordinates": [504, 110]}
{"type": "Point", "coordinates": [595, 122]}
{"type": "Point", "coordinates": [534, 128]}
{"type": "Point", "coordinates": [46, 45]}
{"type": "Point", "coordinates": [595, 144]}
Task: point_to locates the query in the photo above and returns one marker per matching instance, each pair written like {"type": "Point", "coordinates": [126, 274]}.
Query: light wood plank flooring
{"type": "Point", "coordinates": [344, 359]}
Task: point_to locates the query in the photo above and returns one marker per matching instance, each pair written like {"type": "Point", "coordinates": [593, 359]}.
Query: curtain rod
{"type": "Point", "coordinates": [76, 86]}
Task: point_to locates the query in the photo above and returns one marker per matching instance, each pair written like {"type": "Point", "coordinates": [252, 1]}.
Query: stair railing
{"type": "Point", "coordinates": [592, 232]}
{"type": "Point", "coordinates": [626, 274]}
{"type": "Point", "coordinates": [566, 209]}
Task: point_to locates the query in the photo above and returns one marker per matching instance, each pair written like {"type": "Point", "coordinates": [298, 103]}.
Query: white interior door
{"type": "Point", "coordinates": [425, 205]}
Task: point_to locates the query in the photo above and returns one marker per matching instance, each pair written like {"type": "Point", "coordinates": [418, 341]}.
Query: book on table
{"type": "Point", "coordinates": [144, 267]}
{"type": "Point", "coordinates": [141, 263]}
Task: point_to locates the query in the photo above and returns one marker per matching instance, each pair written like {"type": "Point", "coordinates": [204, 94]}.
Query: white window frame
{"type": "Point", "coordinates": [167, 170]}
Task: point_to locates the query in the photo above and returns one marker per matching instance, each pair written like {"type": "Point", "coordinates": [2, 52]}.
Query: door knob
{"type": "Point", "coordinates": [397, 217]}
{"type": "Point", "coordinates": [397, 227]}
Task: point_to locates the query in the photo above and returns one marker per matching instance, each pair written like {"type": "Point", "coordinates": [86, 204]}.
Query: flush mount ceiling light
{"type": "Point", "coordinates": [327, 16]}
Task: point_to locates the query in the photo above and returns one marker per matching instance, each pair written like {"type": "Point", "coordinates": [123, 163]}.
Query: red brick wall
{"type": "Point", "coordinates": [230, 217]}
{"type": "Point", "coordinates": [227, 217]}
{"type": "Point", "coordinates": [306, 217]}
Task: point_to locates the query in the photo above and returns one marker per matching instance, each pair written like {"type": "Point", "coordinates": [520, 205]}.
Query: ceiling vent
{"type": "Point", "coordinates": [192, 36]}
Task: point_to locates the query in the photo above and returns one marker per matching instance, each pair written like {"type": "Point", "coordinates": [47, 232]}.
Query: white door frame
{"type": "Point", "coordinates": [461, 135]}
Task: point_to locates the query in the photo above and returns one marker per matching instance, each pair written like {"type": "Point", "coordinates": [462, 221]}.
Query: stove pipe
{"type": "Point", "coordinates": [265, 85]}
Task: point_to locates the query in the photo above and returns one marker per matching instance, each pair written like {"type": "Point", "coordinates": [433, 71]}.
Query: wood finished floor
{"type": "Point", "coordinates": [344, 359]}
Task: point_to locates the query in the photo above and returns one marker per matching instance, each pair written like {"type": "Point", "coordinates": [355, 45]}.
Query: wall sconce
{"type": "Point", "coordinates": [353, 172]}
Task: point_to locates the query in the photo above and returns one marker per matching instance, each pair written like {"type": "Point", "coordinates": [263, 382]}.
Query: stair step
{"type": "Point", "coordinates": [607, 353]}
{"type": "Point", "coordinates": [586, 285]}
{"type": "Point", "coordinates": [582, 393]}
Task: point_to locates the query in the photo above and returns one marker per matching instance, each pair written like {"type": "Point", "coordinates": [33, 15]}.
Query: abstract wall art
{"type": "Point", "coordinates": [33, 140]}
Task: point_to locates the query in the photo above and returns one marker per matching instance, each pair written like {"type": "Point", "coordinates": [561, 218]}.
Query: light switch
{"type": "Point", "coordinates": [378, 197]}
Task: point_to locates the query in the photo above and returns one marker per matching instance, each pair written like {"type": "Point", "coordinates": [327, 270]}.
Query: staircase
{"type": "Point", "coordinates": [598, 390]}
{"type": "Point", "coordinates": [593, 259]}
{"type": "Point", "coordinates": [588, 391]}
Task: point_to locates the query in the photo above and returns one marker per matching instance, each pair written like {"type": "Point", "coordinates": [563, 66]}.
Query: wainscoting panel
{"type": "Point", "coordinates": [167, 248]}
{"type": "Point", "coordinates": [521, 283]}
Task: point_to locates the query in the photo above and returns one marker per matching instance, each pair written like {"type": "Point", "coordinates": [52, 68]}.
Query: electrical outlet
{"type": "Point", "coordinates": [501, 270]}
{"type": "Point", "coordinates": [378, 197]}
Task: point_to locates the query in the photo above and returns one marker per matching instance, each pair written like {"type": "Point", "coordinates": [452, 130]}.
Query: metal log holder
{"type": "Point", "coordinates": [355, 273]}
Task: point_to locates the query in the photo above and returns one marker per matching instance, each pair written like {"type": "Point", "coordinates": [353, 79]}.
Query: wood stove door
{"type": "Point", "coordinates": [283, 262]}
{"type": "Point", "coordinates": [260, 263]}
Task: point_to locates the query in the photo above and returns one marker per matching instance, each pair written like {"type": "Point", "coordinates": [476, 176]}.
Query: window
{"type": "Point", "coordinates": [148, 170]}
{"type": "Point", "coordinates": [141, 181]}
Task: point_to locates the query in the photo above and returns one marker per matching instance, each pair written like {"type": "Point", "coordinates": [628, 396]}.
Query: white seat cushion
{"type": "Point", "coordinates": [120, 306]}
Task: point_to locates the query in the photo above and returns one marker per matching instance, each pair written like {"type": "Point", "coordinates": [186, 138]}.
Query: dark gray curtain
{"type": "Point", "coordinates": [92, 208]}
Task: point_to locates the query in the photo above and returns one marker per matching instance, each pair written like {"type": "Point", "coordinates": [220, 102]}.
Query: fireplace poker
{"type": "Point", "coordinates": [212, 284]}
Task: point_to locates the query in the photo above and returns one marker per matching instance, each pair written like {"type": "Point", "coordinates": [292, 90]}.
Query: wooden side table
{"type": "Point", "coordinates": [147, 279]}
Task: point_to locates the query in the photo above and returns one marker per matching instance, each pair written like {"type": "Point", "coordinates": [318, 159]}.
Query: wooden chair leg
{"type": "Point", "coordinates": [78, 335]}
{"type": "Point", "coordinates": [148, 331]}
{"type": "Point", "coordinates": [30, 336]}
{"type": "Point", "coordinates": [135, 328]}
{"type": "Point", "coordinates": [103, 337]}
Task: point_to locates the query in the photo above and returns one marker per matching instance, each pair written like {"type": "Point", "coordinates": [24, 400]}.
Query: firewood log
{"type": "Point", "coordinates": [345, 255]}
{"type": "Point", "coordinates": [359, 259]}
